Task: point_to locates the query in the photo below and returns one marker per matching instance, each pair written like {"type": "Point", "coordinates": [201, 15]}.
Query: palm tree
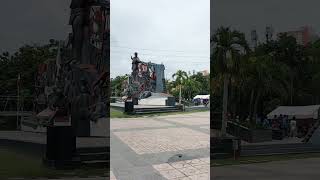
{"type": "Point", "coordinates": [191, 87]}
{"type": "Point", "coordinates": [228, 44]}
{"type": "Point", "coordinates": [180, 76]}
{"type": "Point", "coordinates": [290, 53]}
{"type": "Point", "coordinates": [265, 76]}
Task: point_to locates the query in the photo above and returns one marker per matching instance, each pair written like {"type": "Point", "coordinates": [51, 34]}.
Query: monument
{"type": "Point", "coordinates": [72, 91]}
{"type": "Point", "coordinates": [146, 84]}
{"type": "Point", "coordinates": [79, 75]}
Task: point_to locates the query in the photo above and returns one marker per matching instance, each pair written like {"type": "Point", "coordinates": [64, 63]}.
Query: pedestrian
{"type": "Point", "coordinates": [258, 120]}
{"type": "Point", "coordinates": [280, 119]}
{"type": "Point", "coordinates": [285, 125]}
{"type": "Point", "coordinates": [273, 122]}
{"type": "Point", "coordinates": [266, 123]}
{"type": "Point", "coordinates": [237, 119]}
{"type": "Point", "coordinates": [293, 127]}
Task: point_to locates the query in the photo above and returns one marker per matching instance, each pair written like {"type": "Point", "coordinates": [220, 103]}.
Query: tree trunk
{"type": "Point", "coordinates": [291, 89]}
{"type": "Point", "coordinates": [225, 106]}
{"type": "Point", "coordinates": [232, 98]}
{"type": "Point", "coordinates": [255, 109]}
{"type": "Point", "coordinates": [239, 103]}
{"type": "Point", "coordinates": [180, 95]}
{"type": "Point", "coordinates": [250, 103]}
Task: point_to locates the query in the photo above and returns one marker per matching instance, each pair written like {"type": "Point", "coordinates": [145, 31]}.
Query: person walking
{"type": "Point", "coordinates": [286, 125]}
{"type": "Point", "coordinates": [293, 127]}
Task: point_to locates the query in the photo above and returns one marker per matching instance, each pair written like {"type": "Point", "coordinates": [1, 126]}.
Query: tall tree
{"type": "Point", "coordinates": [228, 44]}
{"type": "Point", "coordinates": [290, 52]}
{"type": "Point", "coordinates": [180, 76]}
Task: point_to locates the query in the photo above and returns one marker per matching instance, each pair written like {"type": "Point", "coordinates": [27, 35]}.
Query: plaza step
{"type": "Point", "coordinates": [92, 150]}
{"type": "Point", "coordinates": [97, 157]}
{"type": "Point", "coordinates": [100, 164]}
{"type": "Point", "coordinates": [279, 149]}
{"type": "Point", "coordinates": [153, 112]}
{"type": "Point", "coordinates": [156, 110]}
{"type": "Point", "coordinates": [93, 156]}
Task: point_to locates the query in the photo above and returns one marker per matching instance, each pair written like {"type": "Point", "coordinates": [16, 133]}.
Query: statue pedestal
{"type": "Point", "coordinates": [159, 99]}
{"type": "Point", "coordinates": [61, 147]}
{"type": "Point", "coordinates": [135, 101]}
{"type": "Point", "coordinates": [128, 107]}
{"type": "Point", "coordinates": [83, 128]}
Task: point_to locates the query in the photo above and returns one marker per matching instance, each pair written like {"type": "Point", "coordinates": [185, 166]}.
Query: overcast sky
{"type": "Point", "coordinates": [173, 32]}
{"type": "Point", "coordinates": [32, 21]}
{"type": "Point", "coordinates": [282, 15]}
{"type": "Point", "coordinates": [161, 31]}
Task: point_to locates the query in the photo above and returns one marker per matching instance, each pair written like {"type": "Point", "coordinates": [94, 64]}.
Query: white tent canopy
{"type": "Point", "coordinates": [300, 112]}
{"type": "Point", "coordinates": [202, 97]}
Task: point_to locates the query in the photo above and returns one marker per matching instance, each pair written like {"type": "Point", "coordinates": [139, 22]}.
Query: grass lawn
{"type": "Point", "coordinates": [114, 113]}
{"type": "Point", "coordinates": [263, 159]}
{"type": "Point", "coordinates": [14, 164]}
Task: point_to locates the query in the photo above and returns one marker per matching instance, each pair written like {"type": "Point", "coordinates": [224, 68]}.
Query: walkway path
{"type": "Point", "coordinates": [163, 147]}
{"type": "Point", "coordinates": [280, 170]}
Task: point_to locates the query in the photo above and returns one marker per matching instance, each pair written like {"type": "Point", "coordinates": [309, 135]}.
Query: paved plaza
{"type": "Point", "coordinates": [161, 147]}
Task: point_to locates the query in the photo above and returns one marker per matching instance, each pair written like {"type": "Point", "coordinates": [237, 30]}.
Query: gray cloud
{"type": "Point", "coordinates": [161, 31]}
{"type": "Point", "coordinates": [32, 21]}
{"type": "Point", "coordinates": [173, 32]}
{"type": "Point", "coordinates": [283, 15]}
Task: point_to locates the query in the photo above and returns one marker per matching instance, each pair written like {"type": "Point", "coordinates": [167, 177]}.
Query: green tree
{"type": "Point", "coordinates": [117, 85]}
{"type": "Point", "coordinates": [203, 87]}
{"type": "Point", "coordinates": [191, 87]}
{"type": "Point", "coordinates": [24, 62]}
{"type": "Point", "coordinates": [265, 77]}
{"type": "Point", "coordinates": [289, 52]}
{"type": "Point", "coordinates": [180, 76]}
{"type": "Point", "coordinates": [228, 44]}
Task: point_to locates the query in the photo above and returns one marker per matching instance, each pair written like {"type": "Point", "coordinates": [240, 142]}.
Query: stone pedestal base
{"type": "Point", "coordinates": [83, 128]}
{"type": "Point", "coordinates": [60, 147]}
{"type": "Point", "coordinates": [135, 101]}
{"type": "Point", "coordinates": [128, 107]}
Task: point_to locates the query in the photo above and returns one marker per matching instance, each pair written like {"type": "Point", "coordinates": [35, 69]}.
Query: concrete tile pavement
{"type": "Point", "coordinates": [162, 140]}
{"type": "Point", "coordinates": [188, 169]}
{"type": "Point", "coordinates": [140, 146]}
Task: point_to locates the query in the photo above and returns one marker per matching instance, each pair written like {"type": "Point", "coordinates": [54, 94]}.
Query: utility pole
{"type": "Point", "coordinates": [18, 99]}
{"type": "Point", "coordinates": [180, 95]}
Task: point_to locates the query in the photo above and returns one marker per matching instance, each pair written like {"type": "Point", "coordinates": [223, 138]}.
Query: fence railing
{"type": "Point", "coordinates": [16, 103]}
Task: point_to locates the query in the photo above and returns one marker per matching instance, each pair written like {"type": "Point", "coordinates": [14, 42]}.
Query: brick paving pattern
{"type": "Point", "coordinates": [195, 169]}
{"type": "Point", "coordinates": [136, 123]}
{"type": "Point", "coordinates": [146, 148]}
{"type": "Point", "coordinates": [162, 140]}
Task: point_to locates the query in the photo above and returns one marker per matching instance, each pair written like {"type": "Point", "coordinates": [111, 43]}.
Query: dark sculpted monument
{"type": "Point", "coordinates": [73, 88]}
{"type": "Point", "coordinates": [146, 84]}
{"type": "Point", "coordinates": [79, 75]}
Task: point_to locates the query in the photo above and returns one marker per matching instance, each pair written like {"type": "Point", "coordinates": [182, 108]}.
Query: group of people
{"type": "Point", "coordinates": [281, 122]}
{"type": "Point", "coordinates": [288, 126]}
